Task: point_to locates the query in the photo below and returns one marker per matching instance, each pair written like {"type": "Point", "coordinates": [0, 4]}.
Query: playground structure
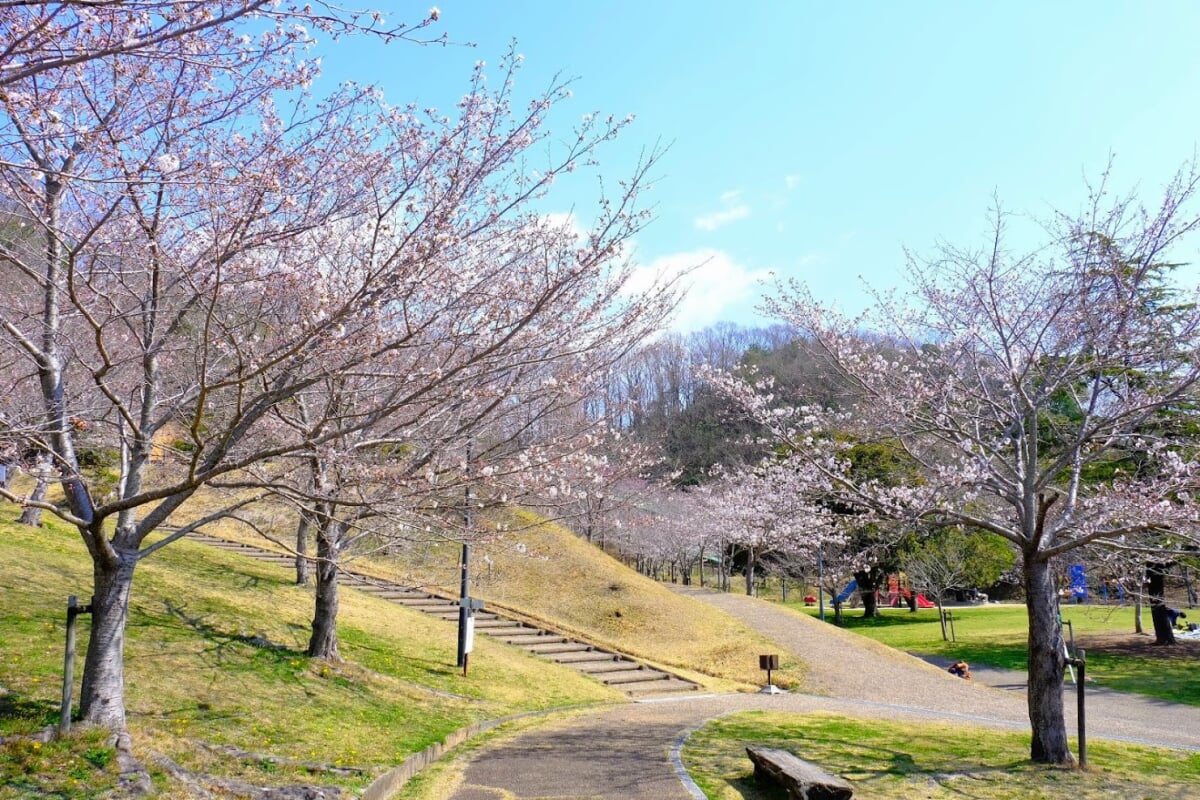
{"type": "Point", "coordinates": [900, 595]}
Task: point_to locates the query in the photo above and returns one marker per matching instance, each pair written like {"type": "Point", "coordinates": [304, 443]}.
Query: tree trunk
{"type": "Point", "coordinates": [942, 619]}
{"type": "Point", "coordinates": [1137, 615]}
{"type": "Point", "coordinates": [868, 585]}
{"type": "Point", "coordinates": [1156, 589]}
{"type": "Point", "coordinates": [303, 528]}
{"type": "Point", "coordinates": [1047, 660]}
{"type": "Point", "coordinates": [323, 643]}
{"type": "Point", "coordinates": [102, 696]}
{"type": "Point", "coordinates": [30, 515]}
{"type": "Point", "coordinates": [750, 571]}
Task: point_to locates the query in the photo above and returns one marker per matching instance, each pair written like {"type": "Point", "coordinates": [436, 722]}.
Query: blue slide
{"type": "Point", "coordinates": [845, 593]}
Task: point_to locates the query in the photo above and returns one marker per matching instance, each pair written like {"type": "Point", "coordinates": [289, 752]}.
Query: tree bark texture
{"type": "Point", "coordinates": [31, 515]}
{"type": "Point", "coordinates": [750, 559]}
{"type": "Point", "coordinates": [102, 695]}
{"type": "Point", "coordinates": [868, 585]}
{"type": "Point", "coordinates": [1156, 588]}
{"type": "Point", "coordinates": [303, 528]}
{"type": "Point", "coordinates": [1047, 661]}
{"type": "Point", "coordinates": [323, 643]}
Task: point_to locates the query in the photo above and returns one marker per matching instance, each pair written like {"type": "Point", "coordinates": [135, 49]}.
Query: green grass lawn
{"type": "Point", "coordinates": [884, 760]}
{"type": "Point", "coordinates": [995, 635]}
{"type": "Point", "coordinates": [215, 657]}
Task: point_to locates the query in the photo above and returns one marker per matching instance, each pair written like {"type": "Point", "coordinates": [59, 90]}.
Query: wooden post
{"type": "Point", "coordinates": [73, 611]}
{"type": "Point", "coordinates": [1081, 662]}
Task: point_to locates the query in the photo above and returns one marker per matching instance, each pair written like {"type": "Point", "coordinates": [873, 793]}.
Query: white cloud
{"type": "Point", "coordinates": [718, 219]}
{"type": "Point", "coordinates": [717, 286]}
{"type": "Point", "coordinates": [732, 212]}
{"type": "Point", "coordinates": [567, 220]}
{"type": "Point", "coordinates": [792, 181]}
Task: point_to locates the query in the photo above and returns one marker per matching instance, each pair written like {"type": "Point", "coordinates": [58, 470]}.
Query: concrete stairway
{"type": "Point", "coordinates": [612, 669]}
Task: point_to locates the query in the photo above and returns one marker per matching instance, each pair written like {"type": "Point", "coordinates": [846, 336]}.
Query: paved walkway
{"type": "Point", "coordinates": [626, 752]}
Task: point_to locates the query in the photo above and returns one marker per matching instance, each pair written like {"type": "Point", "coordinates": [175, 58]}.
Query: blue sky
{"type": "Point", "coordinates": [818, 140]}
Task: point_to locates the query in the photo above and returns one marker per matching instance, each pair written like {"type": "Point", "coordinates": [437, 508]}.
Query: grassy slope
{"type": "Point", "coordinates": [215, 655]}
{"type": "Point", "coordinates": [547, 573]}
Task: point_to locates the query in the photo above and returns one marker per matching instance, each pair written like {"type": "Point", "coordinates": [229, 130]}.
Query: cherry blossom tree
{"type": "Point", "coordinates": [215, 247]}
{"type": "Point", "coordinates": [41, 36]}
{"type": "Point", "coordinates": [1018, 385]}
{"type": "Point", "coordinates": [496, 421]}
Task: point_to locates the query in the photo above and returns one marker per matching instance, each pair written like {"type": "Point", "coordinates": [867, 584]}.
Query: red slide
{"type": "Point", "coordinates": [923, 602]}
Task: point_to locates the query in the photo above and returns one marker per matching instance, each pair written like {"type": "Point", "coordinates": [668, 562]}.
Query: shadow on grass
{"type": "Point", "coordinates": [865, 762]}
{"type": "Point", "coordinates": [223, 640]}
{"type": "Point", "coordinates": [21, 714]}
{"type": "Point", "coordinates": [381, 654]}
{"type": "Point", "coordinates": [853, 620]}
{"type": "Point", "coordinates": [1002, 656]}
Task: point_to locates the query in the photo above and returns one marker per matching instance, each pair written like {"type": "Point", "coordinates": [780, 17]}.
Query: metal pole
{"type": "Point", "coordinates": [1082, 663]}
{"type": "Point", "coordinates": [464, 593]}
{"type": "Point", "coordinates": [464, 585]}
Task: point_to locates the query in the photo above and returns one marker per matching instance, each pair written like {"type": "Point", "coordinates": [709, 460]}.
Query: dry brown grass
{"type": "Point", "coordinates": [546, 573]}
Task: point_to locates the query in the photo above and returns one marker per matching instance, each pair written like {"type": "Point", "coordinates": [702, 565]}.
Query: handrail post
{"type": "Point", "coordinates": [73, 611]}
{"type": "Point", "coordinates": [1081, 663]}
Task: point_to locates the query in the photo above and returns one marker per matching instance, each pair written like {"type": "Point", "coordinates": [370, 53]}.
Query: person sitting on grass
{"type": "Point", "coordinates": [961, 669]}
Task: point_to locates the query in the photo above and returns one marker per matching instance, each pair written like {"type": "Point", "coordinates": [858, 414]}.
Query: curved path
{"type": "Point", "coordinates": [627, 751]}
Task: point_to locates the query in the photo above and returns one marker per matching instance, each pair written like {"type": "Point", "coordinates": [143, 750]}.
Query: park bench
{"type": "Point", "coordinates": [800, 779]}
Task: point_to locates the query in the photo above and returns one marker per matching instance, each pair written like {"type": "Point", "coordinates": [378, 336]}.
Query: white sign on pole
{"type": "Point", "coordinates": [470, 645]}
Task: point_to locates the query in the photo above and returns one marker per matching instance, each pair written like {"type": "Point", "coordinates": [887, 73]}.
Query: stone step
{"type": "Point", "coordinates": [598, 669]}
{"type": "Point", "coordinates": [556, 649]}
{"type": "Point", "coordinates": [398, 595]}
{"type": "Point", "coordinates": [533, 639]}
{"type": "Point", "coordinates": [636, 676]}
{"type": "Point", "coordinates": [669, 686]}
{"type": "Point", "coordinates": [611, 669]}
{"type": "Point", "coordinates": [505, 628]}
{"type": "Point", "coordinates": [584, 656]}
{"type": "Point", "coordinates": [430, 606]}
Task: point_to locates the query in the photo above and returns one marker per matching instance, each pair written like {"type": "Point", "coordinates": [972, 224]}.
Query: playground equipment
{"type": "Point", "coordinates": [844, 594]}
{"type": "Point", "coordinates": [899, 594]}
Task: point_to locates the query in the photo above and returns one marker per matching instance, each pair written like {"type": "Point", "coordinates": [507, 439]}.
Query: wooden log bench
{"type": "Point", "coordinates": [800, 779]}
